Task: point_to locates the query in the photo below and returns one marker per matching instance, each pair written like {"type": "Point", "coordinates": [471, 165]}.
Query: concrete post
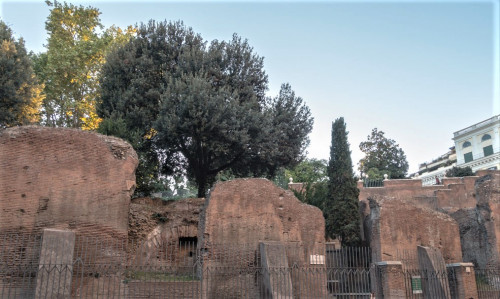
{"type": "Point", "coordinates": [55, 267]}
{"type": "Point", "coordinates": [390, 280]}
{"type": "Point", "coordinates": [276, 278]}
{"type": "Point", "coordinates": [462, 280]}
{"type": "Point", "coordinates": [435, 282]}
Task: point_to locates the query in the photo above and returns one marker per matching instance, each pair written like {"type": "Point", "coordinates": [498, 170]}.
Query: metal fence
{"type": "Point", "coordinates": [372, 183]}
{"type": "Point", "coordinates": [435, 284]}
{"type": "Point", "coordinates": [488, 283]}
{"type": "Point", "coordinates": [181, 268]}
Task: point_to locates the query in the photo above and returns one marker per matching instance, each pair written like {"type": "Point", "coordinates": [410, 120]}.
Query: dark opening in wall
{"type": "Point", "coordinates": [188, 245]}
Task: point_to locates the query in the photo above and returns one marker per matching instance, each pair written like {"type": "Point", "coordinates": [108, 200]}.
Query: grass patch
{"type": "Point", "coordinates": [158, 276]}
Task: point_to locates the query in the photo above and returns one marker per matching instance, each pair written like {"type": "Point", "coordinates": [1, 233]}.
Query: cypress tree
{"type": "Point", "coordinates": [342, 206]}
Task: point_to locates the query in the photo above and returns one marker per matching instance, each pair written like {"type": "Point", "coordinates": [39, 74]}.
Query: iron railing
{"type": "Point", "coordinates": [372, 183]}
{"type": "Point", "coordinates": [163, 267]}
{"type": "Point", "coordinates": [488, 283]}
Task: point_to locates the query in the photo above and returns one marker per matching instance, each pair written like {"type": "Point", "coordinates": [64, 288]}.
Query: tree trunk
{"type": "Point", "coordinates": [201, 190]}
{"type": "Point", "coordinates": [201, 180]}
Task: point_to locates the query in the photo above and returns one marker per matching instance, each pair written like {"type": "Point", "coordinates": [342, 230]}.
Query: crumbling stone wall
{"type": "Point", "coordinates": [397, 225]}
{"type": "Point", "coordinates": [238, 215]}
{"type": "Point", "coordinates": [67, 179]}
{"type": "Point", "coordinates": [453, 194]}
{"type": "Point", "coordinates": [479, 226]}
{"type": "Point", "coordinates": [473, 202]}
{"type": "Point", "coordinates": [164, 232]}
{"type": "Point", "coordinates": [246, 211]}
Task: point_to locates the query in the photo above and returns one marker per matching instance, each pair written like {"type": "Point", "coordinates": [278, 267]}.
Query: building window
{"type": "Point", "coordinates": [468, 157]}
{"type": "Point", "coordinates": [466, 144]}
{"type": "Point", "coordinates": [485, 137]}
{"type": "Point", "coordinates": [488, 150]}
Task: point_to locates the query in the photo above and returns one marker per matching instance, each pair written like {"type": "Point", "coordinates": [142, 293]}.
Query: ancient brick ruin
{"type": "Point", "coordinates": [66, 179]}
{"type": "Point", "coordinates": [155, 224]}
{"type": "Point", "coordinates": [458, 217]}
{"type": "Point", "coordinates": [396, 227]}
{"type": "Point", "coordinates": [78, 184]}
{"type": "Point", "coordinates": [257, 219]}
{"type": "Point", "coordinates": [247, 211]}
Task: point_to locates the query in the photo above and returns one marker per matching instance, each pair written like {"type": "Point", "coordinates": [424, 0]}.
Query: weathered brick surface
{"type": "Point", "coordinates": [66, 179]}
{"type": "Point", "coordinates": [246, 211]}
{"type": "Point", "coordinates": [452, 195]}
{"type": "Point", "coordinates": [480, 226]}
{"type": "Point", "coordinates": [390, 280]}
{"type": "Point", "coordinates": [488, 199]}
{"type": "Point", "coordinates": [243, 212]}
{"type": "Point", "coordinates": [397, 225]}
{"type": "Point", "coordinates": [164, 232]}
{"type": "Point", "coordinates": [473, 202]}
{"type": "Point", "coordinates": [462, 280]}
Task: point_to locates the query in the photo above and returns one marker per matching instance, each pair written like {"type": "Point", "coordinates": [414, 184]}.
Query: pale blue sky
{"type": "Point", "coordinates": [418, 71]}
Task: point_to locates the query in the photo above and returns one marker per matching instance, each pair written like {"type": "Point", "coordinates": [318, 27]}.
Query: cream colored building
{"type": "Point", "coordinates": [477, 147]}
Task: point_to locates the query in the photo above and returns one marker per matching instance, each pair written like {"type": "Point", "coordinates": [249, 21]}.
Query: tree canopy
{"type": "Point", "coordinates": [312, 173]}
{"type": "Point", "coordinates": [75, 53]}
{"type": "Point", "coordinates": [199, 108]}
{"type": "Point", "coordinates": [20, 94]}
{"type": "Point", "coordinates": [382, 156]}
{"type": "Point", "coordinates": [308, 171]}
{"type": "Point", "coordinates": [342, 204]}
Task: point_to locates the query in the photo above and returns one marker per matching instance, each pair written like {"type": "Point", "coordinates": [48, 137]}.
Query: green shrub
{"type": "Point", "coordinates": [459, 172]}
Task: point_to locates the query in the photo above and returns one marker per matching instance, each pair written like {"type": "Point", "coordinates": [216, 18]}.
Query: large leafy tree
{"type": "Point", "coordinates": [20, 94]}
{"type": "Point", "coordinates": [341, 207]}
{"type": "Point", "coordinates": [75, 53]}
{"type": "Point", "coordinates": [133, 81]}
{"type": "Point", "coordinates": [312, 173]}
{"type": "Point", "coordinates": [308, 171]}
{"type": "Point", "coordinates": [199, 108]}
{"type": "Point", "coordinates": [383, 155]}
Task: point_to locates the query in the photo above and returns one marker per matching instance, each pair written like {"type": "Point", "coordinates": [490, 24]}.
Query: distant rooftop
{"type": "Point", "coordinates": [484, 123]}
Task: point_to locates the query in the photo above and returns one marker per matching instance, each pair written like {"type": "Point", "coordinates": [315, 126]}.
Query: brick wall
{"type": "Point", "coordinates": [67, 179]}
{"type": "Point", "coordinates": [242, 213]}
{"type": "Point", "coordinates": [472, 202]}
{"type": "Point", "coordinates": [399, 226]}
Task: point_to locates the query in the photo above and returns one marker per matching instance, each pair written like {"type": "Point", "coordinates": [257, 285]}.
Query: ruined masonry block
{"type": "Point", "coordinates": [55, 268]}
{"type": "Point", "coordinates": [434, 275]}
{"type": "Point", "coordinates": [390, 280]}
{"type": "Point", "coordinates": [66, 179]}
{"type": "Point", "coordinates": [244, 212]}
{"type": "Point", "coordinates": [462, 280]}
{"type": "Point", "coordinates": [396, 226]}
{"type": "Point", "coordinates": [276, 277]}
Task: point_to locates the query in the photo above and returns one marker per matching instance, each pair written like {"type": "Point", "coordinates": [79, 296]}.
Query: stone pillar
{"type": "Point", "coordinates": [55, 267]}
{"type": "Point", "coordinates": [276, 277]}
{"type": "Point", "coordinates": [462, 280]}
{"type": "Point", "coordinates": [477, 150]}
{"type": "Point", "coordinates": [390, 280]}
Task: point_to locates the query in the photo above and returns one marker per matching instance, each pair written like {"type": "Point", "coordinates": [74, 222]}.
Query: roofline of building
{"type": "Point", "coordinates": [479, 125]}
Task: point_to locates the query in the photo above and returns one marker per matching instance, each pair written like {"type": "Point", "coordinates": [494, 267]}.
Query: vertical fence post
{"type": "Point", "coordinates": [462, 280]}
{"type": "Point", "coordinates": [390, 280]}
